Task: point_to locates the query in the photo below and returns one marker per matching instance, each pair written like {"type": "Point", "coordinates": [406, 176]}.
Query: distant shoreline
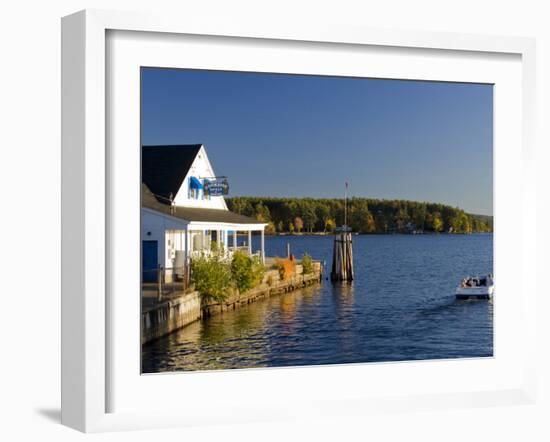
{"type": "Point", "coordinates": [380, 234]}
{"type": "Point", "coordinates": [362, 215]}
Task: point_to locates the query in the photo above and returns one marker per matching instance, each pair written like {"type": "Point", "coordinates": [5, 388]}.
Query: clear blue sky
{"type": "Point", "coordinates": [288, 135]}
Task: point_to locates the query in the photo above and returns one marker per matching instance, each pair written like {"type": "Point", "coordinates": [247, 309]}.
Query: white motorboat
{"type": "Point", "coordinates": [476, 287]}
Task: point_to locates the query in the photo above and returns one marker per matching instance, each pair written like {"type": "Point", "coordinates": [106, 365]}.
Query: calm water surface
{"type": "Point", "coordinates": [400, 307]}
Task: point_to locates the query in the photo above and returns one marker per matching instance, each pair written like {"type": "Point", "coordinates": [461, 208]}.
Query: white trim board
{"type": "Point", "coordinates": [87, 209]}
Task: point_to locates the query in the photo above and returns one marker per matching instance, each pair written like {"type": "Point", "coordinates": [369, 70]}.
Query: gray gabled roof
{"type": "Point", "coordinates": [191, 214]}
{"type": "Point", "coordinates": [163, 168]}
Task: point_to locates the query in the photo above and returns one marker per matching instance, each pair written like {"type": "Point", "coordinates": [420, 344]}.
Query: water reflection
{"type": "Point", "coordinates": [235, 339]}
{"type": "Point", "coordinates": [405, 309]}
{"type": "Point", "coordinates": [347, 326]}
{"type": "Point", "coordinates": [343, 293]}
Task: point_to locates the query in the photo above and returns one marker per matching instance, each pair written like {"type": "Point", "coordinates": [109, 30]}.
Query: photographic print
{"type": "Point", "coordinates": [299, 220]}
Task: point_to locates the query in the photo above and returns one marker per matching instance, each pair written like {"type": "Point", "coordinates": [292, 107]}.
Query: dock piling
{"type": "Point", "coordinates": [342, 257]}
{"type": "Point", "coordinates": [342, 252]}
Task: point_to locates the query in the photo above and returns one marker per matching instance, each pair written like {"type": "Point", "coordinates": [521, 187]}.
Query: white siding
{"type": "Point", "coordinates": [201, 168]}
{"type": "Point", "coordinates": [153, 228]}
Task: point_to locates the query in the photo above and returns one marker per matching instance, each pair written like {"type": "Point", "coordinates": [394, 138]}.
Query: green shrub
{"type": "Point", "coordinates": [258, 270]}
{"type": "Point", "coordinates": [307, 263]}
{"type": "Point", "coordinates": [216, 247]}
{"type": "Point", "coordinates": [246, 272]}
{"type": "Point", "coordinates": [211, 277]}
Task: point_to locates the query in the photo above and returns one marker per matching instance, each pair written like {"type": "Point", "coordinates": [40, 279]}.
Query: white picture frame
{"type": "Point", "coordinates": [87, 353]}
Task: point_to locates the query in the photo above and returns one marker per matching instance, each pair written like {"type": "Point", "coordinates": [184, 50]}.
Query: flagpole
{"type": "Point", "coordinates": [346, 207]}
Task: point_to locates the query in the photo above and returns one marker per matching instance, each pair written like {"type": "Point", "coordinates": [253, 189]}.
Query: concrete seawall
{"type": "Point", "coordinates": [180, 311]}
{"type": "Point", "coordinates": [169, 316]}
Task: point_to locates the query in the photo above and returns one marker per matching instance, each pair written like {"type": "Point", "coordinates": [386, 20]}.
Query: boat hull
{"type": "Point", "coordinates": [485, 292]}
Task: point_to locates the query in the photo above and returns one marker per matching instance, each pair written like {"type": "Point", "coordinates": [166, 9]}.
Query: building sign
{"type": "Point", "coordinates": [216, 187]}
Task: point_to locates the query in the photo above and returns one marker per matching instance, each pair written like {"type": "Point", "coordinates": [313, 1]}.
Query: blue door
{"type": "Point", "coordinates": [149, 259]}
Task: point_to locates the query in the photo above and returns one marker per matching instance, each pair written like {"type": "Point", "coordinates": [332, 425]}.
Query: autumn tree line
{"type": "Point", "coordinates": [364, 215]}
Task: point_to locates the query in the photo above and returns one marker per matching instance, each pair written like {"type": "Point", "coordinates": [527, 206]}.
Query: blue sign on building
{"type": "Point", "coordinates": [216, 187]}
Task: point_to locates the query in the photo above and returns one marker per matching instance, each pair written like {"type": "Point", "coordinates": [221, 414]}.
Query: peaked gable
{"type": "Point", "coordinates": [163, 168]}
{"type": "Point", "coordinates": [200, 170]}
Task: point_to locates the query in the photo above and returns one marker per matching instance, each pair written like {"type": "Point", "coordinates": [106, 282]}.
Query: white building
{"type": "Point", "coordinates": [183, 210]}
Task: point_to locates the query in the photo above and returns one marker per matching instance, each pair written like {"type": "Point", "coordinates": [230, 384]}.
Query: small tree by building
{"type": "Point", "coordinates": [307, 264]}
{"type": "Point", "coordinates": [211, 276]}
{"type": "Point", "coordinates": [246, 272]}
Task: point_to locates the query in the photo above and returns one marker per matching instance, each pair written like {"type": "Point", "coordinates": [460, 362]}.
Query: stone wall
{"type": "Point", "coordinates": [271, 285]}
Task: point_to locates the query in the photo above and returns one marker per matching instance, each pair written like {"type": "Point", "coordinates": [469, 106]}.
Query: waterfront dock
{"type": "Point", "coordinates": [159, 318]}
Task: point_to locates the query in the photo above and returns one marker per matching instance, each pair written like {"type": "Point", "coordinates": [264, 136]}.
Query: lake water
{"type": "Point", "coordinates": [401, 306]}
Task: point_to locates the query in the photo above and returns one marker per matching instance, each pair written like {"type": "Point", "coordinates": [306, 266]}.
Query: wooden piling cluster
{"type": "Point", "coordinates": [342, 258]}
